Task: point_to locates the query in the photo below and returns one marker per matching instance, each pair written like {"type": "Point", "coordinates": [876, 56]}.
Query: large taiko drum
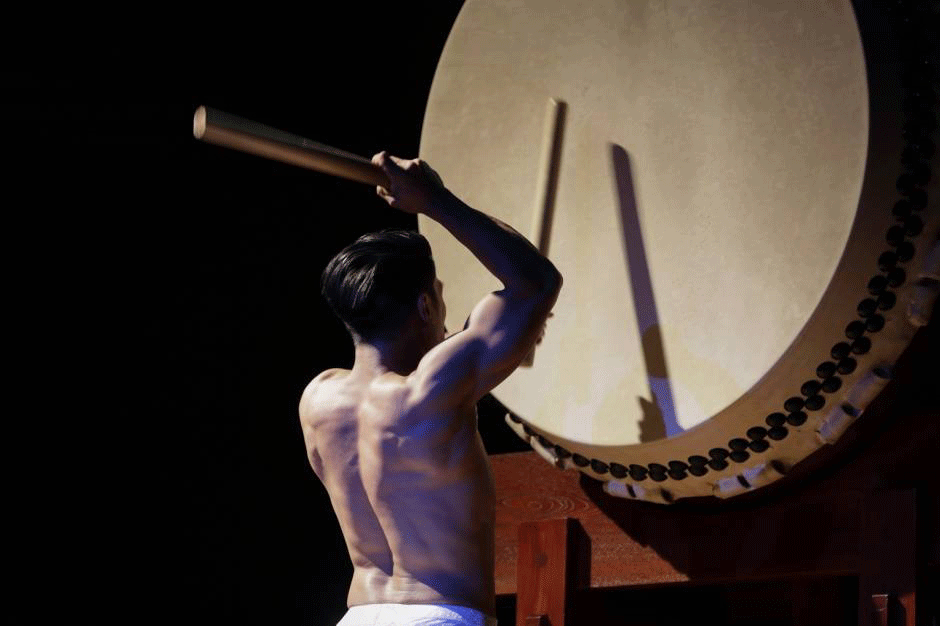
{"type": "Point", "coordinates": [739, 196]}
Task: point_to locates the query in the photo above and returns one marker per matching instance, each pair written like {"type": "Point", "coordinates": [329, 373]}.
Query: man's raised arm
{"type": "Point", "coordinates": [505, 325]}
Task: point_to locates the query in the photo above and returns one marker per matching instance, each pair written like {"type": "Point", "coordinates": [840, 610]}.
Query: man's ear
{"type": "Point", "coordinates": [424, 307]}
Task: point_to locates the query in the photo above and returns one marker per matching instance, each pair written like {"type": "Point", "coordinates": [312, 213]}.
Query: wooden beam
{"type": "Point", "coordinates": [546, 572]}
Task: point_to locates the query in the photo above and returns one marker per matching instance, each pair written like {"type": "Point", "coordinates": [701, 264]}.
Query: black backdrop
{"type": "Point", "coordinates": [160, 301]}
{"type": "Point", "coordinates": [167, 308]}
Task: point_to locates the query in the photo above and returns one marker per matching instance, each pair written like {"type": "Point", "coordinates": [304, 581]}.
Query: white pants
{"type": "Point", "coordinates": [414, 615]}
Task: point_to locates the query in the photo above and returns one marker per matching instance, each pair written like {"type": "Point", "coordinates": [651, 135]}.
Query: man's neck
{"type": "Point", "coordinates": [377, 358]}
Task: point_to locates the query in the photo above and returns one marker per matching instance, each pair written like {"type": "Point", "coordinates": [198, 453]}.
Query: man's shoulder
{"type": "Point", "coordinates": [311, 391]}
{"type": "Point", "coordinates": [332, 372]}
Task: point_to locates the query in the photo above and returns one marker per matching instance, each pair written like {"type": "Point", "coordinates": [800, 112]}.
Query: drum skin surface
{"type": "Point", "coordinates": [728, 188]}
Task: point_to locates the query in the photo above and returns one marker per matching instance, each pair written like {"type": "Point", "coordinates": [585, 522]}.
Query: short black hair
{"type": "Point", "coordinates": [373, 284]}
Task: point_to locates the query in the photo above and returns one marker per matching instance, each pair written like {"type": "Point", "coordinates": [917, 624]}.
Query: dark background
{"type": "Point", "coordinates": [166, 310]}
{"type": "Point", "coordinates": [162, 306]}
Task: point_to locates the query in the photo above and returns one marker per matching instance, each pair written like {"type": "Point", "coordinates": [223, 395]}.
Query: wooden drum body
{"type": "Point", "coordinates": [744, 215]}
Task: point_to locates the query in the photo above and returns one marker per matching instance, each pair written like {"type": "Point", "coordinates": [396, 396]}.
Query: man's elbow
{"type": "Point", "coordinates": [551, 282]}
{"type": "Point", "coordinates": [545, 291]}
{"type": "Point", "coordinates": [545, 283]}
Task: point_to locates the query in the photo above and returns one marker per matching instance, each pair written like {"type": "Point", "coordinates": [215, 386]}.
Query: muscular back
{"type": "Point", "coordinates": [400, 455]}
{"type": "Point", "coordinates": [411, 486]}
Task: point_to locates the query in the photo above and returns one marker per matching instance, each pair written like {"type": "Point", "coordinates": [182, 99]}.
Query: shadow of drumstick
{"type": "Point", "coordinates": [659, 415]}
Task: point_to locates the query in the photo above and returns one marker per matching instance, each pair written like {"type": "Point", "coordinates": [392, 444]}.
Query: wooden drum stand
{"type": "Point", "coordinates": [871, 520]}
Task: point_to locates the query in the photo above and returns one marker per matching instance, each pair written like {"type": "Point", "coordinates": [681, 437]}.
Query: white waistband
{"type": "Point", "coordinates": [415, 615]}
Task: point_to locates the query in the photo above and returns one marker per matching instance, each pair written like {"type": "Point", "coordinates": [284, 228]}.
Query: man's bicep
{"type": "Point", "coordinates": [445, 377]}
{"type": "Point", "coordinates": [499, 333]}
{"type": "Point", "coordinates": [507, 328]}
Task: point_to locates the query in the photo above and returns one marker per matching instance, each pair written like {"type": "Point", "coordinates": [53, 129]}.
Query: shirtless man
{"type": "Point", "coordinates": [394, 440]}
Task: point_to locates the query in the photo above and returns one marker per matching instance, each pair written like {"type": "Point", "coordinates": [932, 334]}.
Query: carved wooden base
{"type": "Point", "coordinates": [866, 509]}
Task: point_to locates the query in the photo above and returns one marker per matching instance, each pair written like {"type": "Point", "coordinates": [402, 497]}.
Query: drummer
{"type": "Point", "coordinates": [394, 440]}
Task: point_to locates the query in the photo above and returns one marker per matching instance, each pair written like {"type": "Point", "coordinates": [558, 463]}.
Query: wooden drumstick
{"type": "Point", "coordinates": [547, 182]}
{"type": "Point", "coordinates": [549, 167]}
{"type": "Point", "coordinates": [223, 129]}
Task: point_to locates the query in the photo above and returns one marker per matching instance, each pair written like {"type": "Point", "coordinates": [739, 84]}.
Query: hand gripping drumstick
{"type": "Point", "coordinates": [222, 129]}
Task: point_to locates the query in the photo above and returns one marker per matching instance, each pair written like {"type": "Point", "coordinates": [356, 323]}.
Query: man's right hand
{"type": "Point", "coordinates": [413, 185]}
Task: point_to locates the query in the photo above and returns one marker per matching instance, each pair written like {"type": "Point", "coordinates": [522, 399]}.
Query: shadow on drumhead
{"type": "Point", "coordinates": [659, 414]}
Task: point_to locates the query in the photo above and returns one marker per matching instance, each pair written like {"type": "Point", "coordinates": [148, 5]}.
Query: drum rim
{"type": "Point", "coordinates": [732, 461]}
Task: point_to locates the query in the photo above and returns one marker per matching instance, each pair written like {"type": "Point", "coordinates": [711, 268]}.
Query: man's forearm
{"type": "Point", "coordinates": [503, 251]}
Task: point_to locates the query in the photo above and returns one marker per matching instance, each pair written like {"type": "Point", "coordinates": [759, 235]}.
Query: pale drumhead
{"type": "Point", "coordinates": [746, 126]}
